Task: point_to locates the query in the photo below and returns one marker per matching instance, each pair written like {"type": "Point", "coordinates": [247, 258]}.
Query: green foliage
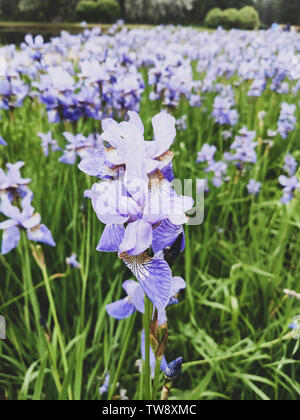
{"type": "Point", "coordinates": [245, 18]}
{"type": "Point", "coordinates": [248, 18]}
{"type": "Point", "coordinates": [104, 11]}
{"type": "Point", "coordinates": [214, 18]}
{"type": "Point", "coordinates": [230, 19]}
{"type": "Point", "coordinates": [108, 10]}
{"type": "Point", "coordinates": [86, 10]}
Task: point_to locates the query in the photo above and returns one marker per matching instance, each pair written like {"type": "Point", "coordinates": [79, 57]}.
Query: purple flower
{"type": "Point", "coordinates": [219, 169]}
{"type": "Point", "coordinates": [72, 261]}
{"type": "Point", "coordinates": [22, 220]}
{"type": "Point", "coordinates": [152, 356]}
{"type": "Point", "coordinates": [287, 119]}
{"type": "Point", "coordinates": [254, 187]}
{"type": "Point", "coordinates": [11, 183]}
{"type": "Point", "coordinates": [2, 142]}
{"type": "Point", "coordinates": [78, 145]}
{"type": "Point", "coordinates": [48, 141]}
{"type": "Point", "coordinates": [206, 154]}
{"type": "Point", "coordinates": [125, 307]}
{"type": "Point", "coordinates": [290, 164]}
{"type": "Point", "coordinates": [244, 148]}
{"type": "Point", "coordinates": [291, 185]}
{"type": "Point", "coordinates": [143, 199]}
{"type": "Point", "coordinates": [105, 385]}
{"type": "Point", "coordinates": [223, 112]}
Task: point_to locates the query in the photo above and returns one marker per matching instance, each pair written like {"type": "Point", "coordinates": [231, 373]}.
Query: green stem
{"type": "Point", "coordinates": [156, 379]}
{"type": "Point", "coordinates": [237, 354]}
{"type": "Point", "coordinates": [147, 319]}
{"type": "Point", "coordinates": [122, 358]}
{"type": "Point", "coordinates": [55, 318]}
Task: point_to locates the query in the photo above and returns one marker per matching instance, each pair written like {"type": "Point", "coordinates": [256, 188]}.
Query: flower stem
{"type": "Point", "coordinates": [147, 319]}
{"type": "Point", "coordinates": [238, 353]}
{"type": "Point", "coordinates": [55, 318]}
{"type": "Point", "coordinates": [122, 358]}
{"type": "Point", "coordinates": [156, 379]}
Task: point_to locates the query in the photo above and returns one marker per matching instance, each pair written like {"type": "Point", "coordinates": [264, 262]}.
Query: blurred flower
{"type": "Point", "coordinates": [291, 185]}
{"type": "Point", "coordinates": [72, 261]}
{"type": "Point", "coordinates": [254, 187]}
{"type": "Point", "coordinates": [22, 220]}
{"type": "Point", "coordinates": [48, 141]}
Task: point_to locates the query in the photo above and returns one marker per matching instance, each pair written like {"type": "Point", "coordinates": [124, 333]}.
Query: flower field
{"type": "Point", "coordinates": [111, 287]}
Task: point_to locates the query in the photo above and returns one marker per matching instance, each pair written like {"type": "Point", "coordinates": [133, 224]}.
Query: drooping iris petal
{"type": "Point", "coordinates": [69, 157]}
{"type": "Point", "coordinates": [137, 238]}
{"type": "Point", "coordinates": [7, 224]}
{"type": "Point", "coordinates": [32, 222]}
{"type": "Point", "coordinates": [93, 166]}
{"type": "Point", "coordinates": [41, 234]}
{"type": "Point", "coordinates": [165, 235]}
{"type": "Point", "coordinates": [111, 238]}
{"type": "Point", "coordinates": [2, 142]}
{"type": "Point", "coordinates": [109, 202]}
{"type": "Point", "coordinates": [120, 309]}
{"type": "Point", "coordinates": [10, 239]}
{"type": "Point", "coordinates": [135, 293]}
{"type": "Point", "coordinates": [154, 276]}
{"type": "Point", "coordinates": [8, 209]}
{"type": "Point", "coordinates": [177, 284]}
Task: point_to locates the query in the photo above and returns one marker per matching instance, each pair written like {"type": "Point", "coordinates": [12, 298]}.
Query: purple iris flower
{"type": "Point", "coordinates": [72, 261]}
{"type": "Point", "coordinates": [123, 308]}
{"type": "Point", "coordinates": [12, 183]}
{"type": "Point", "coordinates": [219, 169]}
{"type": "Point", "coordinates": [244, 148]}
{"type": "Point", "coordinates": [206, 154]}
{"type": "Point", "coordinates": [78, 145]}
{"type": "Point", "coordinates": [142, 198]}
{"type": "Point", "coordinates": [181, 123]}
{"type": "Point", "coordinates": [287, 119]}
{"type": "Point", "coordinates": [18, 220]}
{"type": "Point", "coordinates": [223, 112]}
{"type": "Point", "coordinates": [291, 185]}
{"type": "Point", "coordinates": [290, 164]}
{"type": "Point", "coordinates": [254, 187]}
{"type": "Point", "coordinates": [257, 87]}
{"type": "Point", "coordinates": [2, 142]}
{"type": "Point", "coordinates": [48, 141]}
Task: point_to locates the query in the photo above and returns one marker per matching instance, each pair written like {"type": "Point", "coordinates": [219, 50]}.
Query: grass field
{"type": "Point", "coordinates": [233, 314]}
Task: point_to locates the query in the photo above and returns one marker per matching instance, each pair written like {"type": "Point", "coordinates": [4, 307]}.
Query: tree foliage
{"type": "Point", "coordinates": [151, 11]}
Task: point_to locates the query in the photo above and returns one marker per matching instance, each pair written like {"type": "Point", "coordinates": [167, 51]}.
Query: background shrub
{"type": "Point", "coordinates": [245, 18]}
{"type": "Point", "coordinates": [107, 11]}
{"type": "Point", "coordinates": [213, 18]}
{"type": "Point", "coordinates": [104, 11]}
{"type": "Point", "coordinates": [249, 18]}
{"type": "Point", "coordinates": [86, 10]}
{"type": "Point", "coordinates": [230, 18]}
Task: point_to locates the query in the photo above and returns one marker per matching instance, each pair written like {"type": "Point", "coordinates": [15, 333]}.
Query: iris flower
{"type": "Point", "coordinates": [19, 220]}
